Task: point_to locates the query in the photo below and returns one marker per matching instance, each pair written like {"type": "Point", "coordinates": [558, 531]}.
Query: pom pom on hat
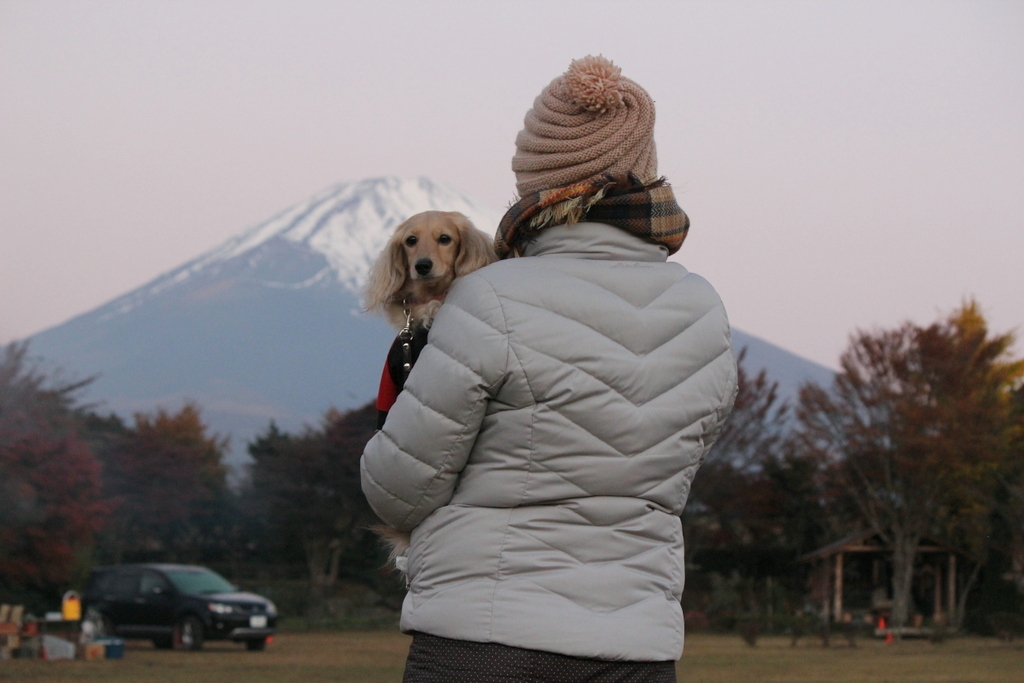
{"type": "Point", "coordinates": [594, 83]}
{"type": "Point", "coordinates": [588, 121]}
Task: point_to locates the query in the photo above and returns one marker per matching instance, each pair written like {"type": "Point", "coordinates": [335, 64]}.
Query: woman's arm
{"type": "Point", "coordinates": [410, 467]}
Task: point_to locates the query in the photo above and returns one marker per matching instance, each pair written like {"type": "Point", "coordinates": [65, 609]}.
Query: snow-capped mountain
{"type": "Point", "coordinates": [268, 325]}
{"type": "Point", "coordinates": [347, 225]}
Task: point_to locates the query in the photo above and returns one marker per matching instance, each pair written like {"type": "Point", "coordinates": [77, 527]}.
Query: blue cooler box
{"type": "Point", "coordinates": [114, 647]}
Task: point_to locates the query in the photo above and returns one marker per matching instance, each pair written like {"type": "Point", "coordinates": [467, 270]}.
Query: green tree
{"type": "Point", "coordinates": [728, 496]}
{"type": "Point", "coordinates": [753, 506]}
{"type": "Point", "coordinates": [307, 489]}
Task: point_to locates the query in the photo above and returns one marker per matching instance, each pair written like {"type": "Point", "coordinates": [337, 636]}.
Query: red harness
{"type": "Point", "coordinates": [401, 357]}
{"type": "Point", "coordinates": [388, 391]}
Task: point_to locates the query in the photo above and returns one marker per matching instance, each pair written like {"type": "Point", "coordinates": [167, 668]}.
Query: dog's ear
{"type": "Point", "coordinates": [387, 274]}
{"type": "Point", "coordinates": [476, 249]}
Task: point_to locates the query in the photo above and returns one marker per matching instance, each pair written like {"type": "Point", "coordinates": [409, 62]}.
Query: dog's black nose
{"type": "Point", "coordinates": [424, 266]}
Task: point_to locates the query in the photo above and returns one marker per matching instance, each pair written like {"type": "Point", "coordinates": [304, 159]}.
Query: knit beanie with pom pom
{"type": "Point", "coordinates": [588, 121]}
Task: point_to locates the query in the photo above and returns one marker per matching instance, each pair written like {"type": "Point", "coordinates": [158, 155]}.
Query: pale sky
{"type": "Point", "coordinates": [844, 165]}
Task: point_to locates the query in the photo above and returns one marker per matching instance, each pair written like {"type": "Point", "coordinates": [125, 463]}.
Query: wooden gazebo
{"type": "Point", "coordinates": [853, 575]}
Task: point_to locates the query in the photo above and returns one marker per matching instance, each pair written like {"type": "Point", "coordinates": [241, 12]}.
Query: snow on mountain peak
{"type": "Point", "coordinates": [348, 224]}
{"type": "Point", "coordinates": [351, 228]}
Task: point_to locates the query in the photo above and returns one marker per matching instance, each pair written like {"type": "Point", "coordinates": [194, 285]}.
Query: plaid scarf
{"type": "Point", "coordinates": [647, 210]}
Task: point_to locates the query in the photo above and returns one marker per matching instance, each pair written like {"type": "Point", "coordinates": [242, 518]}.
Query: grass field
{"type": "Point", "coordinates": [378, 657]}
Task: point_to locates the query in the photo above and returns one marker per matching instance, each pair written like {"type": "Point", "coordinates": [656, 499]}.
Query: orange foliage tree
{"type": "Point", "coordinates": [915, 426]}
{"type": "Point", "coordinates": [167, 480]}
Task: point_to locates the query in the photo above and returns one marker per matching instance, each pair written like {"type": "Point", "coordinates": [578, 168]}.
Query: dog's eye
{"type": "Point", "coordinates": [410, 240]}
{"type": "Point", "coordinates": [444, 239]}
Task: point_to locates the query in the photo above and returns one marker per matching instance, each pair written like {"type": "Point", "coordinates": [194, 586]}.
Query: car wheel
{"type": "Point", "coordinates": [256, 645]}
{"type": "Point", "coordinates": [190, 633]}
{"type": "Point", "coordinates": [163, 642]}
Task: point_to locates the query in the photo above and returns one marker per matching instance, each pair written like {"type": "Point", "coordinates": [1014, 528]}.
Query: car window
{"type": "Point", "coordinates": [151, 581]}
{"type": "Point", "coordinates": [199, 581]}
{"type": "Point", "coordinates": [124, 584]}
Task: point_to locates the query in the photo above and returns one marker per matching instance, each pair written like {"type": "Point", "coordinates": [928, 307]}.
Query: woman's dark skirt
{"type": "Point", "coordinates": [442, 660]}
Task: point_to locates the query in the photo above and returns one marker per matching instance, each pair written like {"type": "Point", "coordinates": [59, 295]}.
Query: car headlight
{"type": "Point", "coordinates": [220, 608]}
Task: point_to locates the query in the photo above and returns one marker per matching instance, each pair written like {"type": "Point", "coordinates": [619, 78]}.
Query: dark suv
{"type": "Point", "coordinates": [175, 604]}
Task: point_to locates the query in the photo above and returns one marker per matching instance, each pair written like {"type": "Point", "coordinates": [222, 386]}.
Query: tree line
{"type": "Point", "coordinates": [80, 489]}
{"type": "Point", "coordinates": [921, 435]}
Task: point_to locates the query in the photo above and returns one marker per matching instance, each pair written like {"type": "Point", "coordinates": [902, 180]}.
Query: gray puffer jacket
{"type": "Point", "coordinates": [543, 447]}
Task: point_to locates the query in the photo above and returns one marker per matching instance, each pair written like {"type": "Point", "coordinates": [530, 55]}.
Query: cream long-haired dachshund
{"type": "Point", "coordinates": [421, 260]}
{"type": "Point", "coordinates": [407, 284]}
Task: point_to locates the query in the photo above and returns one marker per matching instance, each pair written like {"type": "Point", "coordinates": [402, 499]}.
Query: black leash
{"type": "Point", "coordinates": [405, 336]}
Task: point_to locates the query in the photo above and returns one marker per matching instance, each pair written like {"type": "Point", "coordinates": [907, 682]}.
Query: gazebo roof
{"type": "Point", "coordinates": [871, 542]}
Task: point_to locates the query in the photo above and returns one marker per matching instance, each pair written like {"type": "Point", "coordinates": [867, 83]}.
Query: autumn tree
{"type": "Point", "coordinates": [975, 379]}
{"type": "Point", "coordinates": [912, 426]}
{"type": "Point", "coordinates": [50, 502]}
{"type": "Point", "coordinates": [54, 508]}
{"type": "Point", "coordinates": [1009, 495]}
{"type": "Point", "coordinates": [166, 477]}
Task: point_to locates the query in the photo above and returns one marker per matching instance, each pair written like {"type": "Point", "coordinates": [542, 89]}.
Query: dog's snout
{"type": "Point", "coordinates": [424, 266]}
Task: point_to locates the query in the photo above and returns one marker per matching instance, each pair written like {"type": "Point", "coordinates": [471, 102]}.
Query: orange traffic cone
{"type": "Point", "coordinates": [881, 625]}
